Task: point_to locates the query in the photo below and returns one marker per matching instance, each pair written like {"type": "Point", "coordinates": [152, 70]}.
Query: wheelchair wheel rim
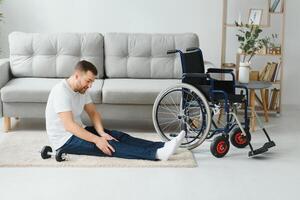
{"type": "Point", "coordinates": [239, 138]}
{"type": "Point", "coordinates": [192, 125]}
{"type": "Point", "coordinates": [221, 147]}
{"type": "Point", "coordinates": [204, 107]}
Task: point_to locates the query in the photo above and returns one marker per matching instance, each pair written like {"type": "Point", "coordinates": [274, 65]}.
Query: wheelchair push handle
{"type": "Point", "coordinates": [172, 51]}
{"type": "Point", "coordinates": [178, 51]}
{"type": "Point", "coordinates": [192, 49]}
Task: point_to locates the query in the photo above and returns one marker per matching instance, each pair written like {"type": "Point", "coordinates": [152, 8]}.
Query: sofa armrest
{"type": "Point", "coordinates": [5, 74]}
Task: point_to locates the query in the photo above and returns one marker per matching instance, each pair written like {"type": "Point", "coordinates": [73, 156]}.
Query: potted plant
{"type": "Point", "coordinates": [250, 44]}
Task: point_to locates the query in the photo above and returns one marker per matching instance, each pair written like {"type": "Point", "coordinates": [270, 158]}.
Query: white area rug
{"type": "Point", "coordinates": [21, 149]}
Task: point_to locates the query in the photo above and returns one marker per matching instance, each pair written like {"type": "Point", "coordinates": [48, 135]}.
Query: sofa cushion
{"type": "Point", "coordinates": [53, 55]}
{"type": "Point", "coordinates": [145, 55]}
{"type": "Point", "coordinates": [134, 91]}
{"type": "Point", "coordinates": [38, 89]}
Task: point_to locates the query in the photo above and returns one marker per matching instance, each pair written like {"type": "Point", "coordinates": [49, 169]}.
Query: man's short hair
{"type": "Point", "coordinates": [85, 66]}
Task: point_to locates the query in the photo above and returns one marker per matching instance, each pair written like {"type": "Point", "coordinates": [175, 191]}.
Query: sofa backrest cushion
{"type": "Point", "coordinates": [145, 55]}
{"type": "Point", "coordinates": [53, 55]}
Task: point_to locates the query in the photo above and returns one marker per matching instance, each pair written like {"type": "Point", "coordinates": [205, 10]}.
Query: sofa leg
{"type": "Point", "coordinates": [6, 124]}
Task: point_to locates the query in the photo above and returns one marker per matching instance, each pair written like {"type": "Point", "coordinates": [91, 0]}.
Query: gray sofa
{"type": "Point", "coordinates": [132, 70]}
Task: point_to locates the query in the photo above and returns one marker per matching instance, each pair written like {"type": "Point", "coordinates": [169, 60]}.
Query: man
{"type": "Point", "coordinates": [67, 132]}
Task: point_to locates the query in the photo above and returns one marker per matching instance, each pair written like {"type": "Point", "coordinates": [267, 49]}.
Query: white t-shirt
{"type": "Point", "coordinates": [61, 99]}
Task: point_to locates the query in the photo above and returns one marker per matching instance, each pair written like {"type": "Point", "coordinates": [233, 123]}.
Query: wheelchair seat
{"type": "Point", "coordinates": [232, 98]}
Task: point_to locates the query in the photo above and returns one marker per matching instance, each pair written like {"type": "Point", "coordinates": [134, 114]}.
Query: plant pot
{"type": "Point", "coordinates": [244, 71]}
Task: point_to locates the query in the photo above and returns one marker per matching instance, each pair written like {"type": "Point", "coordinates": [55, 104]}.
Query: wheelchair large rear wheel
{"type": "Point", "coordinates": [182, 107]}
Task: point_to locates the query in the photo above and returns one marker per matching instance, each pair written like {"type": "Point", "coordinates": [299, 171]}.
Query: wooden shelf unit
{"type": "Point", "coordinates": [226, 25]}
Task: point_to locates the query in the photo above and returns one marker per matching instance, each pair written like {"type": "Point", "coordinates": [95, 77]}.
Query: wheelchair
{"type": "Point", "coordinates": [192, 104]}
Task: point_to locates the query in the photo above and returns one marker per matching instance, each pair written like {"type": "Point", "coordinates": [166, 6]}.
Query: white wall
{"type": "Point", "coordinates": [203, 17]}
{"type": "Point", "coordinates": [291, 84]}
{"type": "Point", "coordinates": [104, 16]}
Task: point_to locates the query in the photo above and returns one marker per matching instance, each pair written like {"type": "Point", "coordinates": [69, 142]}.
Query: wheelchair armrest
{"type": "Point", "coordinates": [198, 75]}
{"type": "Point", "coordinates": [219, 70]}
{"type": "Point", "coordinates": [192, 49]}
{"type": "Point", "coordinates": [222, 71]}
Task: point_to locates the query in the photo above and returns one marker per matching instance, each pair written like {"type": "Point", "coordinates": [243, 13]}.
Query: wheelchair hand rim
{"type": "Point", "coordinates": [204, 101]}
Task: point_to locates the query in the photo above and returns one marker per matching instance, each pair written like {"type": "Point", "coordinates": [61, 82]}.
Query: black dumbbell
{"type": "Point", "coordinates": [47, 153]}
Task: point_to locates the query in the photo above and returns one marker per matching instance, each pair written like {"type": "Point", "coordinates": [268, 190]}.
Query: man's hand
{"type": "Point", "coordinates": [107, 136]}
{"type": "Point", "coordinates": [104, 146]}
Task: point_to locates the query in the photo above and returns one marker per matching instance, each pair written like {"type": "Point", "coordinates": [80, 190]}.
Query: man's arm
{"type": "Point", "coordinates": [73, 127]}
{"type": "Point", "coordinates": [95, 117]}
{"type": "Point", "coordinates": [97, 121]}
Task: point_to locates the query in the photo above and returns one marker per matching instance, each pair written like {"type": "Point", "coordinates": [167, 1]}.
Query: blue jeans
{"type": "Point", "coordinates": [126, 147]}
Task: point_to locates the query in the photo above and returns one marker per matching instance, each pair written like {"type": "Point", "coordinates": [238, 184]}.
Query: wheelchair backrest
{"type": "Point", "coordinates": [192, 62]}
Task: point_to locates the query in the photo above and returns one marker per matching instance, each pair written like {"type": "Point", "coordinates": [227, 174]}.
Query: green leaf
{"type": "Point", "coordinates": [241, 39]}
{"type": "Point", "coordinates": [248, 34]}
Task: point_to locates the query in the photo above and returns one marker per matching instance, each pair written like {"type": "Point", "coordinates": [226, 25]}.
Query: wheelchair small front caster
{"type": "Point", "coordinates": [237, 138]}
{"type": "Point", "coordinates": [47, 153]}
{"type": "Point", "coordinates": [219, 146]}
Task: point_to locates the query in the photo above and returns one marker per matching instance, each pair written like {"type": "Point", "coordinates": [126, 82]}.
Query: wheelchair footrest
{"type": "Point", "coordinates": [261, 150]}
{"type": "Point", "coordinates": [269, 144]}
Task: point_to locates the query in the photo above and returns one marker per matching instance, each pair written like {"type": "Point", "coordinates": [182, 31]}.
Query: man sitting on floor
{"type": "Point", "coordinates": [66, 131]}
